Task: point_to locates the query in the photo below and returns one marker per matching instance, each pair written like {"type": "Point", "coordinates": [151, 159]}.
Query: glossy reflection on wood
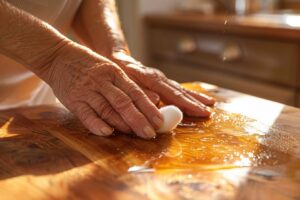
{"type": "Point", "coordinates": [46, 153]}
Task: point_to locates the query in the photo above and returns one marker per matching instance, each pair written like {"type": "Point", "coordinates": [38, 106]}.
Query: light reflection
{"type": "Point", "coordinates": [235, 176]}
{"type": "Point", "coordinates": [140, 169]}
{"type": "Point", "coordinates": [292, 20]}
{"type": "Point", "coordinates": [264, 19]}
{"type": "Point", "coordinates": [243, 162]}
{"type": "Point", "coordinates": [4, 128]}
{"type": "Point", "coordinates": [264, 111]}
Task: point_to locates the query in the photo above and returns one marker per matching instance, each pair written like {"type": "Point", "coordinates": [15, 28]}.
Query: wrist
{"type": "Point", "coordinates": [112, 48]}
{"type": "Point", "coordinates": [45, 63]}
{"type": "Point", "coordinates": [72, 59]}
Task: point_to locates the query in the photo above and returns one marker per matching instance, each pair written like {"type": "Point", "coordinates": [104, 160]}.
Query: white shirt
{"type": "Point", "coordinates": [19, 86]}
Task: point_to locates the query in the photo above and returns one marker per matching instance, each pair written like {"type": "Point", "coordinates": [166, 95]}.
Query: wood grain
{"type": "Point", "coordinates": [47, 154]}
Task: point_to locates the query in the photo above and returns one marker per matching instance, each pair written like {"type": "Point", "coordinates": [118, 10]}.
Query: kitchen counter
{"type": "Point", "coordinates": [249, 149]}
{"type": "Point", "coordinates": [283, 27]}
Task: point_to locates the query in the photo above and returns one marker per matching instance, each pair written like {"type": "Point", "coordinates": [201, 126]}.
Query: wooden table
{"type": "Point", "coordinates": [249, 149]}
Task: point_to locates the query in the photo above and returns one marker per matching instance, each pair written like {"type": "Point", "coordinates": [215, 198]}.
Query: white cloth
{"type": "Point", "coordinates": [19, 86]}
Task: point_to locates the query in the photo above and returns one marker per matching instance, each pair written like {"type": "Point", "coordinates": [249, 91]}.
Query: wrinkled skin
{"type": "Point", "coordinates": [100, 94]}
{"type": "Point", "coordinates": [105, 36]}
{"type": "Point", "coordinates": [104, 94]}
{"type": "Point", "coordinates": [190, 102]}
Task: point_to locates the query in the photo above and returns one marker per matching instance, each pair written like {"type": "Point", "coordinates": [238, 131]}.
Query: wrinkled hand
{"type": "Point", "coordinates": [100, 94]}
{"type": "Point", "coordinates": [171, 92]}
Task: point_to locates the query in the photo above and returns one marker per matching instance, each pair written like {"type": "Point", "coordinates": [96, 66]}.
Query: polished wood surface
{"type": "Point", "coordinates": [248, 149]}
{"type": "Point", "coordinates": [250, 25]}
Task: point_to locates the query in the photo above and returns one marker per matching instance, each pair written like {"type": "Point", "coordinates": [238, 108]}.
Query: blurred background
{"type": "Point", "coordinates": [251, 46]}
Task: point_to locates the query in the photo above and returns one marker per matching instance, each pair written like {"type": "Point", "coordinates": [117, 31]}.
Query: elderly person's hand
{"type": "Point", "coordinates": [190, 102]}
{"type": "Point", "coordinates": [100, 94]}
{"type": "Point", "coordinates": [105, 36]}
{"type": "Point", "coordinates": [94, 88]}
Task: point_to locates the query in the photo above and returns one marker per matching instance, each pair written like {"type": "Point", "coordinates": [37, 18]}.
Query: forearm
{"type": "Point", "coordinates": [97, 25]}
{"type": "Point", "coordinates": [95, 89]}
{"type": "Point", "coordinates": [27, 39]}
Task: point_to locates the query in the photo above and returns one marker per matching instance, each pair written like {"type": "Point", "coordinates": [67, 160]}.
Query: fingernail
{"type": "Point", "coordinates": [106, 131]}
{"type": "Point", "coordinates": [204, 111]}
{"type": "Point", "coordinates": [149, 132]}
{"type": "Point", "coordinates": [212, 100]}
{"type": "Point", "coordinates": [208, 109]}
{"type": "Point", "coordinates": [157, 121]}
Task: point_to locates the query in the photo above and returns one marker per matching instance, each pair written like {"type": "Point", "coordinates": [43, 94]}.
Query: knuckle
{"type": "Point", "coordinates": [106, 69]}
{"type": "Point", "coordinates": [175, 84]}
{"type": "Point", "coordinates": [118, 76]}
{"type": "Point", "coordinates": [122, 102]}
{"type": "Point", "coordinates": [155, 98]}
{"type": "Point", "coordinates": [106, 112]}
{"type": "Point", "coordinates": [152, 95]}
{"type": "Point", "coordinates": [156, 74]}
{"type": "Point", "coordinates": [178, 94]}
{"type": "Point", "coordinates": [154, 85]}
{"type": "Point", "coordinates": [105, 66]}
{"type": "Point", "coordinates": [115, 70]}
{"type": "Point", "coordinates": [134, 92]}
{"type": "Point", "coordinates": [154, 80]}
{"type": "Point", "coordinates": [84, 115]}
{"type": "Point", "coordinates": [137, 120]}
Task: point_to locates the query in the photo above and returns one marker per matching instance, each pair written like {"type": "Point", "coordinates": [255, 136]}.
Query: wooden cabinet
{"type": "Point", "coordinates": [260, 66]}
{"type": "Point", "coordinates": [257, 58]}
{"type": "Point", "coordinates": [183, 72]}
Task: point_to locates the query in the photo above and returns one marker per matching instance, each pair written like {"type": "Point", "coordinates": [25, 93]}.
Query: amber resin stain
{"type": "Point", "coordinates": [223, 141]}
{"type": "Point", "coordinates": [226, 140]}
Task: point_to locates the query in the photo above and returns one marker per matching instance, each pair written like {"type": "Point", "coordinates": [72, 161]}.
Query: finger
{"type": "Point", "coordinates": [154, 97]}
{"type": "Point", "coordinates": [171, 95]}
{"type": "Point", "coordinates": [127, 110]}
{"type": "Point", "coordinates": [142, 102]}
{"type": "Point", "coordinates": [194, 96]}
{"type": "Point", "coordinates": [107, 113]}
{"type": "Point", "coordinates": [207, 100]}
{"type": "Point", "coordinates": [91, 121]}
